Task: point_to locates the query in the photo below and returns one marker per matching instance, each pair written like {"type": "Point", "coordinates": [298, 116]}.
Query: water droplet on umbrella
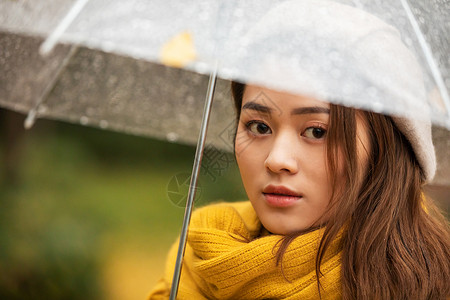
{"type": "Point", "coordinates": [377, 107]}
{"type": "Point", "coordinates": [172, 136]}
{"type": "Point", "coordinates": [202, 67]}
{"type": "Point", "coordinates": [228, 73]}
{"type": "Point", "coordinates": [84, 120]}
{"type": "Point", "coordinates": [42, 109]}
{"type": "Point", "coordinates": [103, 124]}
{"type": "Point", "coordinates": [107, 46]}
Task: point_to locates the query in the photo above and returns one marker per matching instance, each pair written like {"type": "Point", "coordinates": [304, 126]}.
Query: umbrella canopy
{"type": "Point", "coordinates": [316, 56]}
{"type": "Point", "coordinates": [105, 73]}
{"type": "Point", "coordinates": [110, 91]}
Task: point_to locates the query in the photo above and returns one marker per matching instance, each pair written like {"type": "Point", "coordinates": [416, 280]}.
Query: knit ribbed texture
{"type": "Point", "coordinates": [226, 259]}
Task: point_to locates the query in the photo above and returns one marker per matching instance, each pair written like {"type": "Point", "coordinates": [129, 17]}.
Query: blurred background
{"type": "Point", "coordinates": [90, 214]}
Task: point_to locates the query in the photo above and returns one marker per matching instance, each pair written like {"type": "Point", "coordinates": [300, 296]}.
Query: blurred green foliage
{"type": "Point", "coordinates": [72, 197]}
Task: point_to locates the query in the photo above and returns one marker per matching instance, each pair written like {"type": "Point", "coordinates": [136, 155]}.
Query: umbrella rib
{"type": "Point", "coordinates": [193, 183]}
{"type": "Point", "coordinates": [32, 114]}
{"type": "Point", "coordinates": [428, 56]}
{"type": "Point", "coordinates": [48, 45]}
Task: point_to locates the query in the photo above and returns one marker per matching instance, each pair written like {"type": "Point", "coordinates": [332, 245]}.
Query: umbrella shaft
{"type": "Point", "coordinates": [193, 184]}
{"type": "Point", "coordinates": [53, 39]}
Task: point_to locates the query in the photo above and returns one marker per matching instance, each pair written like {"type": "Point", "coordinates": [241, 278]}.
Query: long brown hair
{"type": "Point", "coordinates": [396, 243]}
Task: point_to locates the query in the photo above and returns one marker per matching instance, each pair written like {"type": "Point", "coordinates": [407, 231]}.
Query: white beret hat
{"type": "Point", "coordinates": [349, 57]}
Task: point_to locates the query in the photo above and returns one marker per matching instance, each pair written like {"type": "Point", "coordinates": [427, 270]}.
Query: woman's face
{"type": "Point", "coordinates": [281, 152]}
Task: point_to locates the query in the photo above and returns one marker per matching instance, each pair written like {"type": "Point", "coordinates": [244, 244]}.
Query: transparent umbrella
{"type": "Point", "coordinates": [102, 63]}
{"type": "Point", "coordinates": [243, 38]}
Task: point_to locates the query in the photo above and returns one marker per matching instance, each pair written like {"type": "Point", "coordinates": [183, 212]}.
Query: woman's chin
{"type": "Point", "coordinates": [282, 228]}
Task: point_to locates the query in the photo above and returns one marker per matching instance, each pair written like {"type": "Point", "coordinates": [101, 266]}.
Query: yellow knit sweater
{"type": "Point", "coordinates": [227, 258]}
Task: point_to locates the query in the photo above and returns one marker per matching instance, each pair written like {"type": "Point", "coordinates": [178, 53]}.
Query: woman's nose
{"type": "Point", "coordinates": [282, 156]}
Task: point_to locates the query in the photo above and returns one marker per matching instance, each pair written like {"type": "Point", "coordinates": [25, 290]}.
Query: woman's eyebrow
{"type": "Point", "coordinates": [258, 107]}
{"type": "Point", "coordinates": [310, 110]}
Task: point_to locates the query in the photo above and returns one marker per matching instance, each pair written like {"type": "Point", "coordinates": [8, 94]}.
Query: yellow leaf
{"type": "Point", "coordinates": [178, 51]}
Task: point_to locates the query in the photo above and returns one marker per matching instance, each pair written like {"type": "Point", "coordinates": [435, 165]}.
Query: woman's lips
{"type": "Point", "coordinates": [280, 196]}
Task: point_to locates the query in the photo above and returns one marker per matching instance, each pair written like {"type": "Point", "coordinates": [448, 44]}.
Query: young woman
{"type": "Point", "coordinates": [336, 208]}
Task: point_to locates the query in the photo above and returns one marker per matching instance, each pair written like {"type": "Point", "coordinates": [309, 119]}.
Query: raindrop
{"type": "Point", "coordinates": [107, 46]}
{"type": "Point", "coordinates": [172, 137]}
{"type": "Point", "coordinates": [202, 68]}
{"type": "Point", "coordinates": [377, 107]}
{"type": "Point", "coordinates": [227, 73]}
{"type": "Point", "coordinates": [84, 120]}
{"type": "Point", "coordinates": [42, 109]}
{"type": "Point", "coordinates": [103, 124]}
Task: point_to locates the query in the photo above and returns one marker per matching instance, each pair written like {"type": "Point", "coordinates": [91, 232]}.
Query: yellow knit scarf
{"type": "Point", "coordinates": [227, 259]}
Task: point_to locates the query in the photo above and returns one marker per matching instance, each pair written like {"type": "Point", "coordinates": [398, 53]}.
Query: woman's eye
{"type": "Point", "coordinates": [258, 127]}
{"type": "Point", "coordinates": [315, 133]}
